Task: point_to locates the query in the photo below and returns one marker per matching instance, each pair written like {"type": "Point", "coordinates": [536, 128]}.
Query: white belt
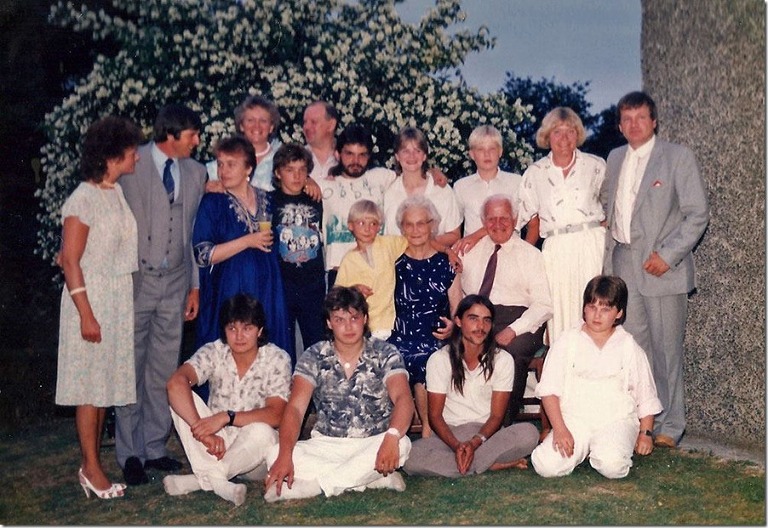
{"type": "Point", "coordinates": [572, 228]}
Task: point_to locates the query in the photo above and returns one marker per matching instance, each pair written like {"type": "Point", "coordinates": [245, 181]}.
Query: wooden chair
{"type": "Point", "coordinates": [536, 366]}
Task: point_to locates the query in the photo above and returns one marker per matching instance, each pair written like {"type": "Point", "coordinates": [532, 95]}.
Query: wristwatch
{"type": "Point", "coordinates": [231, 417]}
{"type": "Point", "coordinates": [481, 437]}
{"type": "Point", "coordinates": [646, 432]}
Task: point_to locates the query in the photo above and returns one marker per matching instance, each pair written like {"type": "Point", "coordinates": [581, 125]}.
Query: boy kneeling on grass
{"type": "Point", "coordinates": [598, 390]}
{"type": "Point", "coordinates": [249, 388]}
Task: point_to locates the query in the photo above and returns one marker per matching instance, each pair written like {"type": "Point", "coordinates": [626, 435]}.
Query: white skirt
{"type": "Point", "coordinates": [571, 261]}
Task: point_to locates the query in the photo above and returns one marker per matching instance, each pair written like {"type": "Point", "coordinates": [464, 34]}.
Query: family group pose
{"type": "Point", "coordinates": [412, 299]}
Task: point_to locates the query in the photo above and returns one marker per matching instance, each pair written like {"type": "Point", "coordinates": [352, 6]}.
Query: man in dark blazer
{"type": "Point", "coordinates": [163, 194]}
{"type": "Point", "coordinates": [656, 208]}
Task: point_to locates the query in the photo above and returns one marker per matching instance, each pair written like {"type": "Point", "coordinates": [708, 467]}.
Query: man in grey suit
{"type": "Point", "coordinates": [163, 194]}
{"type": "Point", "coordinates": [656, 208]}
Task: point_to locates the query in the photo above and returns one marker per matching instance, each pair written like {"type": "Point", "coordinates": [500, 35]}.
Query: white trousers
{"type": "Point", "coordinates": [338, 464]}
{"type": "Point", "coordinates": [571, 260]}
{"type": "Point", "coordinates": [609, 447]}
{"type": "Point", "coordinates": [246, 448]}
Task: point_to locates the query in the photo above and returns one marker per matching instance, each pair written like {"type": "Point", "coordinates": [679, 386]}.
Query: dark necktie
{"type": "Point", "coordinates": [490, 273]}
{"type": "Point", "coordinates": [168, 179]}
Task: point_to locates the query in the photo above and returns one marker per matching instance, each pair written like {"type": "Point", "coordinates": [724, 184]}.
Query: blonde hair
{"type": "Point", "coordinates": [556, 117]}
{"type": "Point", "coordinates": [362, 208]}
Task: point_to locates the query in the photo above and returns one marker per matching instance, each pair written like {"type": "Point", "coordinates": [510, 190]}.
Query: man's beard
{"type": "Point", "coordinates": [353, 171]}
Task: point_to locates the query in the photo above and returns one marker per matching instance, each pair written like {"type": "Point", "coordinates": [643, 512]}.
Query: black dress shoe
{"type": "Point", "coordinates": [163, 464]}
{"type": "Point", "coordinates": [133, 472]}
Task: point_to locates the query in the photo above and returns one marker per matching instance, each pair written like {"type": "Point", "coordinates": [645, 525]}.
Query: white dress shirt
{"type": "Point", "coordinates": [520, 280]}
{"type": "Point", "coordinates": [632, 171]}
{"type": "Point", "coordinates": [472, 191]}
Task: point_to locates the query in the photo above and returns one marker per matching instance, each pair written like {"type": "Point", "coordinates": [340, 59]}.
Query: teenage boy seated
{"type": "Point", "coordinates": [360, 389]}
{"type": "Point", "coordinates": [249, 386]}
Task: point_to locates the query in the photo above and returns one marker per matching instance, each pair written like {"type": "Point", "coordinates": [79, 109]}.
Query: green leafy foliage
{"type": "Point", "coordinates": [210, 54]}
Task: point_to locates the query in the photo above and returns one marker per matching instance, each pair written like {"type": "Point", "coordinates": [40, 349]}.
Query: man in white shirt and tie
{"type": "Point", "coordinates": [516, 283]}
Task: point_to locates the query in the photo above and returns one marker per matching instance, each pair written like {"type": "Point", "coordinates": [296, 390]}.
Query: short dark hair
{"type": "Point", "coordinates": [636, 100]}
{"type": "Point", "coordinates": [107, 139]}
{"type": "Point", "coordinates": [242, 308]}
{"type": "Point", "coordinates": [288, 153]}
{"type": "Point", "coordinates": [345, 298]}
{"type": "Point", "coordinates": [609, 289]}
{"type": "Point", "coordinates": [237, 144]}
{"type": "Point", "coordinates": [173, 119]}
{"type": "Point", "coordinates": [353, 134]}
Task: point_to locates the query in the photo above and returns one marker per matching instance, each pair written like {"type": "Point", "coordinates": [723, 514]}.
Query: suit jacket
{"type": "Point", "coordinates": [139, 187]}
{"type": "Point", "coordinates": [670, 215]}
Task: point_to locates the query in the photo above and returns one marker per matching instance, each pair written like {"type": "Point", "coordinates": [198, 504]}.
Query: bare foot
{"type": "Point", "coordinates": [520, 463]}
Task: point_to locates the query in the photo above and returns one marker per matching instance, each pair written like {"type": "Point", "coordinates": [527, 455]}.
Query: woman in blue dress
{"type": "Point", "coordinates": [233, 254]}
{"type": "Point", "coordinates": [425, 289]}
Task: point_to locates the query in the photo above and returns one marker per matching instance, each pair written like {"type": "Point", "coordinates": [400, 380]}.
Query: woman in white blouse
{"type": "Point", "coordinates": [560, 201]}
{"type": "Point", "coordinates": [414, 179]}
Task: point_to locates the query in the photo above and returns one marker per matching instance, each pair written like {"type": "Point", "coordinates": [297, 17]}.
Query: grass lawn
{"type": "Point", "coordinates": [39, 484]}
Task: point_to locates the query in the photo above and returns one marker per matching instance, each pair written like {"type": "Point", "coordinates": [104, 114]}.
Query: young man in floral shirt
{"type": "Point", "coordinates": [364, 407]}
{"type": "Point", "coordinates": [249, 386]}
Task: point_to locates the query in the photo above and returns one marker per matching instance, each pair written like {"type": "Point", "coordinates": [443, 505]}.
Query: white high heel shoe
{"type": "Point", "coordinates": [113, 492]}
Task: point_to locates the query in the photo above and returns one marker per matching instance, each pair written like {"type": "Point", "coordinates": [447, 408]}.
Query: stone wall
{"type": "Point", "coordinates": [703, 62]}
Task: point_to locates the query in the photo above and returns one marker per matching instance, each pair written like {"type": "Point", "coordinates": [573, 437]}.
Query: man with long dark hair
{"type": "Point", "coordinates": [469, 382]}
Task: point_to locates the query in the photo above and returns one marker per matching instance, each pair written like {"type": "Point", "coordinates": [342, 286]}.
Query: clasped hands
{"type": "Point", "coordinates": [465, 455]}
{"type": "Point", "coordinates": [204, 431]}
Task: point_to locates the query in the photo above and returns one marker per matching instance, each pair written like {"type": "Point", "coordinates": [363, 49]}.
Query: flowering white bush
{"type": "Point", "coordinates": [209, 54]}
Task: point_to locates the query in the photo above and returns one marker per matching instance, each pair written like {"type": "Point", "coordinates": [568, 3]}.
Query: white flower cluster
{"type": "Point", "coordinates": [210, 54]}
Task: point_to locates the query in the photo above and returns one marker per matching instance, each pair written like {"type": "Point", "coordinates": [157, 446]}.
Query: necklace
{"type": "Point", "coordinates": [263, 152]}
{"type": "Point", "coordinates": [570, 163]}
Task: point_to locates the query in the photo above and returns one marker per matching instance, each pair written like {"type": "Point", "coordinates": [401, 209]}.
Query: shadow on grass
{"type": "Point", "coordinates": [40, 486]}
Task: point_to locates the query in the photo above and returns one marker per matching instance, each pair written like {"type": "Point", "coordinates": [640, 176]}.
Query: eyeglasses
{"type": "Point", "coordinates": [421, 224]}
{"type": "Point", "coordinates": [366, 223]}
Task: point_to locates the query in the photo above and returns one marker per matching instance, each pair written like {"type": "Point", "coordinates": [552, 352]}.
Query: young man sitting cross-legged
{"type": "Point", "coordinates": [249, 387]}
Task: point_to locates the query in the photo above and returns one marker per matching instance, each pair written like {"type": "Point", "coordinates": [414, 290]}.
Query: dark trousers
{"type": "Point", "coordinates": [304, 302]}
{"type": "Point", "coordinates": [522, 348]}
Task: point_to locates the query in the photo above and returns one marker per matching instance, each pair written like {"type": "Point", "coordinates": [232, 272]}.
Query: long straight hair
{"type": "Point", "coordinates": [456, 346]}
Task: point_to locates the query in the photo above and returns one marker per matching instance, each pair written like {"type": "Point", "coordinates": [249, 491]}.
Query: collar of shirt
{"type": "Point", "coordinates": [643, 150]}
{"type": "Point", "coordinates": [159, 158]}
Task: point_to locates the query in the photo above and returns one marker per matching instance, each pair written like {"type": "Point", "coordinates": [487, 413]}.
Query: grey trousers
{"type": "Point", "coordinates": [658, 326]}
{"type": "Point", "coordinates": [432, 457]}
{"type": "Point", "coordinates": [142, 429]}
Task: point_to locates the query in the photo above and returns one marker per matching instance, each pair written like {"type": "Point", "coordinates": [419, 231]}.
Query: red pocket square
{"type": "Point", "coordinates": [656, 183]}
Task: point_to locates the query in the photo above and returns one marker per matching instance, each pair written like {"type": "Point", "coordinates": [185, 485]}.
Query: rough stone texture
{"type": "Point", "coordinates": [703, 62]}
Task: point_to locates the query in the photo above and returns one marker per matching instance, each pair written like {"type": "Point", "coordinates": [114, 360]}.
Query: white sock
{"type": "Point", "coordinates": [230, 491]}
{"type": "Point", "coordinates": [301, 489]}
{"type": "Point", "coordinates": [180, 484]}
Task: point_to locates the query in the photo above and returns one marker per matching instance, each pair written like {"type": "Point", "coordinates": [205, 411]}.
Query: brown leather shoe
{"type": "Point", "coordinates": [662, 440]}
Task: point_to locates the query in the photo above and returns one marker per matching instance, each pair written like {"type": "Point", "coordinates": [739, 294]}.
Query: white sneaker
{"type": "Point", "coordinates": [393, 481]}
{"type": "Point", "coordinates": [180, 484]}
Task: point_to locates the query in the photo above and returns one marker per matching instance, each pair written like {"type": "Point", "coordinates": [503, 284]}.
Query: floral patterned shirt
{"type": "Point", "coordinates": [357, 407]}
{"type": "Point", "coordinates": [268, 376]}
